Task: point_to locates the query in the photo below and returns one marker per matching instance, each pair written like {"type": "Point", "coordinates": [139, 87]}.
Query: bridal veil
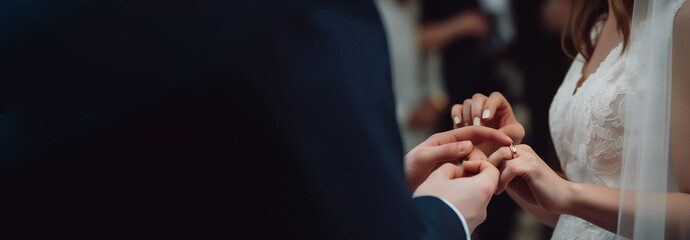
{"type": "Point", "coordinates": [647, 174]}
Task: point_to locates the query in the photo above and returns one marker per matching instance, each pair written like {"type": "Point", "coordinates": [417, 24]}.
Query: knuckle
{"type": "Point", "coordinates": [467, 101]}
{"type": "Point", "coordinates": [447, 166]}
{"type": "Point", "coordinates": [505, 154]}
{"type": "Point", "coordinates": [520, 130]}
{"type": "Point", "coordinates": [450, 149]}
{"type": "Point", "coordinates": [444, 169]}
{"type": "Point", "coordinates": [497, 94]}
{"type": "Point", "coordinates": [487, 191]}
{"type": "Point", "coordinates": [478, 95]}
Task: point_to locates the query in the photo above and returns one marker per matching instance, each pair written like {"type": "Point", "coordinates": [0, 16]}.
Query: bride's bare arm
{"type": "Point", "coordinates": [595, 203]}
{"type": "Point", "coordinates": [678, 207]}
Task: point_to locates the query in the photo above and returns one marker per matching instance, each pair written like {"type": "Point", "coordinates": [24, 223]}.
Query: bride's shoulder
{"type": "Point", "coordinates": [681, 23]}
{"type": "Point", "coordinates": [681, 31]}
{"type": "Point", "coordinates": [683, 14]}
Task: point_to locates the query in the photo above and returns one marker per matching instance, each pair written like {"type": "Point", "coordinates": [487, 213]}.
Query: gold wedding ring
{"type": "Point", "coordinates": [513, 150]}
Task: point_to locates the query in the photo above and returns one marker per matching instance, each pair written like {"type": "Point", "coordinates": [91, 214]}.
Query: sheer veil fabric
{"type": "Point", "coordinates": [646, 175]}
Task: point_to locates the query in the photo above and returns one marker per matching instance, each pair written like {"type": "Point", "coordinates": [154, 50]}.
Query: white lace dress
{"type": "Point", "coordinates": [587, 131]}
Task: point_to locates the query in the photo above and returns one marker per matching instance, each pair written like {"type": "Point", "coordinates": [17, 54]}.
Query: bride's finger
{"type": "Point", "coordinates": [495, 101]}
{"type": "Point", "coordinates": [456, 114]}
{"type": "Point", "coordinates": [466, 112]}
{"type": "Point", "coordinates": [512, 168]}
{"type": "Point", "coordinates": [478, 101]}
{"type": "Point", "coordinates": [500, 155]}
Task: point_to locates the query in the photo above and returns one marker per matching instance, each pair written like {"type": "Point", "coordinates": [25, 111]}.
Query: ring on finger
{"type": "Point", "coordinates": [513, 150]}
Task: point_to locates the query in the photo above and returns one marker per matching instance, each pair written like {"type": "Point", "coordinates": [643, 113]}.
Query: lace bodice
{"type": "Point", "coordinates": [587, 131]}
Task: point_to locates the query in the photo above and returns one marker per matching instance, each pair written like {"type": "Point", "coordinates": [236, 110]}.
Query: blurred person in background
{"type": "Point", "coordinates": [451, 34]}
{"type": "Point", "coordinates": [419, 97]}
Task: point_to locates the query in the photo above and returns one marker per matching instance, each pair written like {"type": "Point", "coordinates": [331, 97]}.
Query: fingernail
{"type": "Point", "coordinates": [463, 146]}
{"type": "Point", "coordinates": [476, 121]}
{"type": "Point", "coordinates": [456, 119]}
{"type": "Point", "coordinates": [485, 114]}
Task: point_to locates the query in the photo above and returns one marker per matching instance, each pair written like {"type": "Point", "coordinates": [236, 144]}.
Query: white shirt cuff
{"type": "Point", "coordinates": [462, 219]}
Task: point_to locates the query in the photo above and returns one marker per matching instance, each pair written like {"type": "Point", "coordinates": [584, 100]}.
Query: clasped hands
{"type": "Point", "coordinates": [454, 166]}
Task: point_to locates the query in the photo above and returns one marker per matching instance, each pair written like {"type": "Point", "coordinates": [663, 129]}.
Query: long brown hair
{"type": "Point", "coordinates": [585, 14]}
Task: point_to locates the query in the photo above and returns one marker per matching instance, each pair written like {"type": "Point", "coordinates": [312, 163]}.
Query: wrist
{"type": "Point", "coordinates": [571, 194]}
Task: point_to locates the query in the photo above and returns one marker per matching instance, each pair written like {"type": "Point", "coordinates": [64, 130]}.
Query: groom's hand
{"type": "Point", "coordinates": [469, 188]}
{"type": "Point", "coordinates": [449, 147]}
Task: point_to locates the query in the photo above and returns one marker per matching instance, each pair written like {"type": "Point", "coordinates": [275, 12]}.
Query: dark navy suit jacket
{"type": "Point", "coordinates": [272, 118]}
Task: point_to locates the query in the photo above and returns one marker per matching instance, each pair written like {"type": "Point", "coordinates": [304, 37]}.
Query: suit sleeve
{"type": "Point", "coordinates": [437, 217]}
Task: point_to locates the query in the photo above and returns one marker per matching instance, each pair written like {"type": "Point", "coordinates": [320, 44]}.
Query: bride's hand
{"type": "Point", "coordinates": [493, 111]}
{"type": "Point", "coordinates": [531, 179]}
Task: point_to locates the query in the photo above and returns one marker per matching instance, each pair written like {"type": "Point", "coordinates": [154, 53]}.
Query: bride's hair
{"type": "Point", "coordinates": [585, 14]}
